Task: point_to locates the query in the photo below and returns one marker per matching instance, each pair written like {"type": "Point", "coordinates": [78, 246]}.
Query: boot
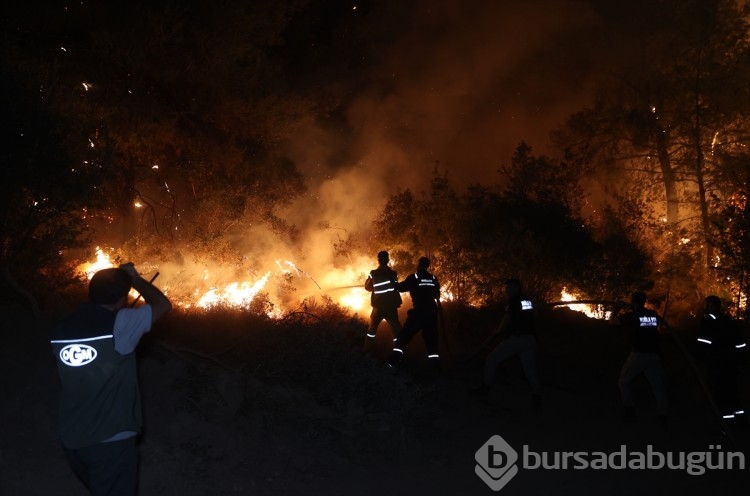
{"type": "Point", "coordinates": [395, 359]}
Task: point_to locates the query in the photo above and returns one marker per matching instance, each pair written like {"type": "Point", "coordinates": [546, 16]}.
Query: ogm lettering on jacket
{"type": "Point", "coordinates": [76, 355]}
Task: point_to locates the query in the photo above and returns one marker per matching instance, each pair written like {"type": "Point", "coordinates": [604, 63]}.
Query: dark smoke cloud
{"type": "Point", "coordinates": [446, 83]}
{"type": "Point", "coordinates": [425, 83]}
{"type": "Point", "coordinates": [461, 83]}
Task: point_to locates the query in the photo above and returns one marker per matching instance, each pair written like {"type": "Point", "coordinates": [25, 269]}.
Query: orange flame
{"type": "Point", "coordinates": [102, 262]}
{"type": "Point", "coordinates": [592, 311]}
{"type": "Point", "coordinates": [234, 294]}
{"type": "Point", "coordinates": [239, 294]}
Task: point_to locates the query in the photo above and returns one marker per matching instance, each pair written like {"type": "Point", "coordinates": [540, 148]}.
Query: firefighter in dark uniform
{"type": "Point", "coordinates": [517, 332]}
{"type": "Point", "coordinates": [385, 298]}
{"type": "Point", "coordinates": [645, 357]}
{"type": "Point", "coordinates": [100, 409]}
{"type": "Point", "coordinates": [424, 289]}
{"type": "Point", "coordinates": [721, 341]}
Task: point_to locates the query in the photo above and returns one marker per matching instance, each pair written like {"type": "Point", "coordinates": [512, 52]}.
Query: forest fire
{"type": "Point", "coordinates": [590, 310]}
{"type": "Point", "coordinates": [189, 292]}
{"type": "Point", "coordinates": [234, 294]}
{"type": "Point", "coordinates": [102, 262]}
{"type": "Point", "coordinates": [193, 291]}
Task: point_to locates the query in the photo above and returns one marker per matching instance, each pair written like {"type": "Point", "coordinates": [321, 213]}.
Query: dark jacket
{"type": "Point", "coordinates": [424, 289]}
{"type": "Point", "coordinates": [100, 395]}
{"type": "Point", "coordinates": [643, 327]}
{"type": "Point", "coordinates": [720, 337]}
{"type": "Point", "coordinates": [520, 315]}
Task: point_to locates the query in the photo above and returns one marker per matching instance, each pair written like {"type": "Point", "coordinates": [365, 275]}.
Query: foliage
{"type": "Point", "coordinates": [44, 197]}
{"type": "Point", "coordinates": [665, 120]}
{"type": "Point", "coordinates": [526, 228]}
{"type": "Point", "coordinates": [543, 180]}
{"type": "Point", "coordinates": [176, 109]}
{"type": "Point", "coordinates": [730, 235]}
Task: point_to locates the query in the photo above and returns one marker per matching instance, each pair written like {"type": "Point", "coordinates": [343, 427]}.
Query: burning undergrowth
{"type": "Point", "coordinates": [270, 285]}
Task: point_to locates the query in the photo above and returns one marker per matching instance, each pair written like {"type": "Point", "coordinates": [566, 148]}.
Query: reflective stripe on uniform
{"type": "Point", "coordinates": [84, 340]}
{"type": "Point", "coordinates": [386, 290]}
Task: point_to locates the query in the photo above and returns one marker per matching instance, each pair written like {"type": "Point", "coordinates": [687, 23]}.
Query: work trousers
{"type": "Point", "coordinates": [649, 364]}
{"type": "Point", "coordinates": [425, 320]}
{"type": "Point", "coordinates": [523, 345]}
{"type": "Point", "coordinates": [721, 373]}
{"type": "Point", "coordinates": [390, 315]}
{"type": "Point", "coordinates": [416, 320]}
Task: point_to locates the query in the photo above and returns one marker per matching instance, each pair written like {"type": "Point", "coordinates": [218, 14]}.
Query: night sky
{"type": "Point", "coordinates": [415, 83]}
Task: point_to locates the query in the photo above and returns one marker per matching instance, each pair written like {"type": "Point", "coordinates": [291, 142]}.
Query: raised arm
{"type": "Point", "coordinates": [160, 305]}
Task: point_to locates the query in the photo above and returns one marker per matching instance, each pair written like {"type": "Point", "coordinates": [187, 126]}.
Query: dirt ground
{"type": "Point", "coordinates": [299, 409]}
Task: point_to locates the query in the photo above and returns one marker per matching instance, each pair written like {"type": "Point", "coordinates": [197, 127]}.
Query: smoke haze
{"type": "Point", "coordinates": [453, 85]}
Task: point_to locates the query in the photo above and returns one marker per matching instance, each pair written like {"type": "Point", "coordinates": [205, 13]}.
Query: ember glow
{"type": "Point", "coordinates": [207, 289]}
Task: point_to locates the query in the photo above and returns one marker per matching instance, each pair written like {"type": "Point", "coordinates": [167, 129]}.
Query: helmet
{"type": "Point", "coordinates": [383, 257]}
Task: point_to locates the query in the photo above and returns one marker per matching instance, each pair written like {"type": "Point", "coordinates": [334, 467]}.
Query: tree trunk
{"type": "Point", "coordinates": [699, 175]}
{"type": "Point", "coordinates": [669, 178]}
{"type": "Point", "coordinates": [699, 170]}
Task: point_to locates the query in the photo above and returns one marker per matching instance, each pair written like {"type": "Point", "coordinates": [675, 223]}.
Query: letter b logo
{"type": "Point", "coordinates": [496, 459]}
{"type": "Point", "coordinates": [496, 463]}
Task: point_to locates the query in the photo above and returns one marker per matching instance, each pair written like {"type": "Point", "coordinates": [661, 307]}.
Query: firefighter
{"type": "Point", "coordinates": [645, 357]}
{"type": "Point", "coordinates": [424, 289]}
{"type": "Point", "coordinates": [100, 408]}
{"type": "Point", "coordinates": [720, 342]}
{"type": "Point", "coordinates": [385, 299]}
{"type": "Point", "coordinates": [518, 337]}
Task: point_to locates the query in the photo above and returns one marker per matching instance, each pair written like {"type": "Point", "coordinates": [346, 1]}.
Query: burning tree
{"type": "Point", "coordinates": [663, 120]}
{"type": "Point", "coordinates": [730, 235]}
